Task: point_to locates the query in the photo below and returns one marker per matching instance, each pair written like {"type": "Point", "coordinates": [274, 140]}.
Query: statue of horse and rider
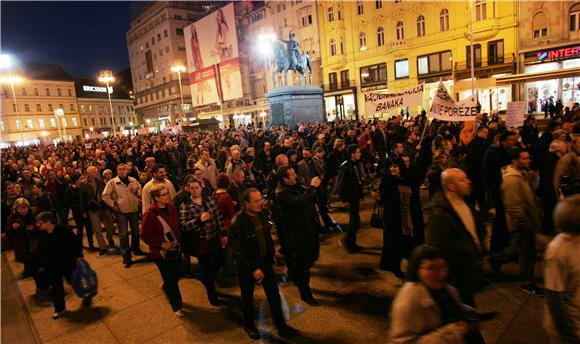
{"type": "Point", "coordinates": [290, 59]}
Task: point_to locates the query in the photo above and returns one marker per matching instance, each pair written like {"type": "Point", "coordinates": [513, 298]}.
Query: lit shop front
{"type": "Point", "coordinates": [340, 104]}
{"type": "Point", "coordinates": [548, 76]}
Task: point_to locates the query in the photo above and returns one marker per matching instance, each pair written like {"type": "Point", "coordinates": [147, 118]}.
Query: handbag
{"type": "Point", "coordinates": [377, 217]}
{"type": "Point", "coordinates": [175, 252]}
{"type": "Point", "coordinates": [84, 280]}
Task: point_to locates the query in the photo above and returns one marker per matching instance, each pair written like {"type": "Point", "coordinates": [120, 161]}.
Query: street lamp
{"type": "Point", "coordinates": [14, 79]}
{"type": "Point", "coordinates": [180, 68]}
{"type": "Point", "coordinates": [106, 76]}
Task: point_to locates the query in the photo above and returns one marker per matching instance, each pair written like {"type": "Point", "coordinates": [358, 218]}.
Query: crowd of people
{"type": "Point", "coordinates": [220, 195]}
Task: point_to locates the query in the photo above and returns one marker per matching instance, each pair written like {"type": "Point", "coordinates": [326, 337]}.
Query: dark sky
{"type": "Point", "coordinates": [83, 37]}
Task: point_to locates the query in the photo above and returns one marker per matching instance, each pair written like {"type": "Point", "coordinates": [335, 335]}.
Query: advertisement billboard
{"type": "Point", "coordinates": [212, 58]}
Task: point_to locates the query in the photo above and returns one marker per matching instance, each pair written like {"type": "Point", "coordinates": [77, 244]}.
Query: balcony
{"type": "Point", "coordinates": [505, 65]}
{"type": "Point", "coordinates": [339, 86]}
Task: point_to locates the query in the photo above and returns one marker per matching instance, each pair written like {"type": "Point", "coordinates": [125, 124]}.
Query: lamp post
{"type": "Point", "coordinates": [14, 80]}
{"type": "Point", "coordinates": [180, 68]}
{"type": "Point", "coordinates": [106, 76]}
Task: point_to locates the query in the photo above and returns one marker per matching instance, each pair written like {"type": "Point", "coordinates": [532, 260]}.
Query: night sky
{"type": "Point", "coordinates": [82, 37]}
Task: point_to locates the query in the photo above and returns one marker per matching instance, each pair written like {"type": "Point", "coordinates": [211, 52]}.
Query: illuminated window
{"type": "Point", "coordinates": [18, 124]}
{"type": "Point", "coordinates": [53, 122]}
{"type": "Point", "coordinates": [41, 124]}
{"type": "Point", "coordinates": [362, 40]}
{"type": "Point", "coordinates": [29, 124]}
{"type": "Point", "coordinates": [74, 122]}
{"type": "Point", "coordinates": [63, 120]}
{"type": "Point", "coordinates": [2, 126]}
{"type": "Point", "coordinates": [401, 69]}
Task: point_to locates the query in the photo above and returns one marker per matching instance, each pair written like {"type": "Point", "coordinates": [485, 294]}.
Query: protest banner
{"type": "Point", "coordinates": [385, 102]}
{"type": "Point", "coordinates": [515, 114]}
{"type": "Point", "coordinates": [444, 108]}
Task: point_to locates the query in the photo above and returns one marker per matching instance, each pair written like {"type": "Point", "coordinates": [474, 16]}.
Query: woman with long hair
{"type": "Point", "coordinates": [160, 231]}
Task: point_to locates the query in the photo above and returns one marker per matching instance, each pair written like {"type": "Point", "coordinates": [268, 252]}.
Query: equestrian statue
{"type": "Point", "coordinates": [290, 59]}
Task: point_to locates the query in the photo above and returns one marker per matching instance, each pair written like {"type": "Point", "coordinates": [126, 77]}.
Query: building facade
{"type": "Point", "coordinates": [44, 109]}
{"type": "Point", "coordinates": [155, 43]}
{"type": "Point", "coordinates": [94, 109]}
{"type": "Point", "coordinates": [391, 46]}
{"type": "Point", "coordinates": [549, 54]}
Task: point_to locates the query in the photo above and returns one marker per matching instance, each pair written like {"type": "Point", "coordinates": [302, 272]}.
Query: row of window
{"type": "Point", "coordinates": [165, 92]}
{"type": "Point", "coordinates": [29, 124]}
{"type": "Point", "coordinates": [103, 121]}
{"type": "Point", "coordinates": [36, 92]}
{"type": "Point", "coordinates": [480, 9]}
{"type": "Point", "coordinates": [427, 65]}
{"type": "Point", "coordinates": [39, 107]}
{"type": "Point", "coordinates": [89, 108]}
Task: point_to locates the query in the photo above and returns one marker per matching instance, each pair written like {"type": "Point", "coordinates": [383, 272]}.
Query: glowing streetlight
{"type": "Point", "coordinates": [106, 76]}
{"type": "Point", "coordinates": [179, 68]}
{"type": "Point", "coordinates": [148, 121]}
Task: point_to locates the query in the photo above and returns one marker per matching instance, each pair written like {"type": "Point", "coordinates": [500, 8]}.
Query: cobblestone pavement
{"type": "Point", "coordinates": [355, 296]}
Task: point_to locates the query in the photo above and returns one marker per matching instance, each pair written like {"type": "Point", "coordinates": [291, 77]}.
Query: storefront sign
{"type": "Point", "coordinates": [384, 102]}
{"type": "Point", "coordinates": [88, 88]}
{"type": "Point", "coordinates": [515, 114]}
{"type": "Point", "coordinates": [444, 108]}
{"type": "Point", "coordinates": [560, 53]}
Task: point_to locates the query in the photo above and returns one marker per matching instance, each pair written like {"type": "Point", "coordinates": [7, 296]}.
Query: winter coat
{"type": "Point", "coordinates": [244, 243]}
{"type": "Point", "coordinates": [521, 207]}
{"type": "Point", "coordinates": [417, 318]}
{"type": "Point", "coordinates": [299, 217]}
{"type": "Point", "coordinates": [126, 197]}
{"type": "Point", "coordinates": [350, 181]}
{"type": "Point", "coordinates": [21, 235]}
{"type": "Point", "coordinates": [151, 230]}
{"type": "Point", "coordinates": [447, 232]}
{"type": "Point", "coordinates": [58, 250]}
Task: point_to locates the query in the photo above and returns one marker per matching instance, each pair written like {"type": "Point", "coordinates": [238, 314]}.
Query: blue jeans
{"type": "Point", "coordinates": [125, 220]}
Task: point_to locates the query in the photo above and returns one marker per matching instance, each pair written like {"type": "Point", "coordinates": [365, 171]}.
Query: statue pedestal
{"type": "Point", "coordinates": [290, 105]}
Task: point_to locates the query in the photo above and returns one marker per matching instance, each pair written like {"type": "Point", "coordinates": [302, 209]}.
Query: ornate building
{"type": "Point", "coordinates": [391, 46]}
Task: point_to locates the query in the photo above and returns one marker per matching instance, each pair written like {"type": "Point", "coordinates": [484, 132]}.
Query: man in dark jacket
{"type": "Point", "coordinates": [454, 228]}
{"type": "Point", "coordinates": [300, 220]}
{"type": "Point", "coordinates": [474, 156]}
{"type": "Point", "coordinates": [351, 192]}
{"type": "Point", "coordinates": [58, 251]}
{"type": "Point", "coordinates": [253, 252]}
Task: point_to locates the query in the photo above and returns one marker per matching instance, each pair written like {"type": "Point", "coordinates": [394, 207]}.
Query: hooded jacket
{"type": "Point", "coordinates": [521, 206]}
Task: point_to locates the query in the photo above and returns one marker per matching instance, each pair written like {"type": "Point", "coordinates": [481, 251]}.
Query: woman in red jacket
{"type": "Point", "coordinates": [160, 231]}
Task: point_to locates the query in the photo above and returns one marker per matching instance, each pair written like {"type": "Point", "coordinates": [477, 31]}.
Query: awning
{"type": "Point", "coordinates": [556, 74]}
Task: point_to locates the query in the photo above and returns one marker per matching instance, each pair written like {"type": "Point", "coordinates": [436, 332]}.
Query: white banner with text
{"type": "Point", "coordinates": [385, 102]}
{"type": "Point", "coordinates": [444, 108]}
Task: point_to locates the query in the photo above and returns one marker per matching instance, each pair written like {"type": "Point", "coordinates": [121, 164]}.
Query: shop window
{"type": "Point", "coordinates": [378, 4]}
{"type": "Point", "coordinates": [495, 52]}
{"type": "Point", "coordinates": [575, 18]}
{"type": "Point", "coordinates": [362, 41]}
{"type": "Point", "coordinates": [330, 14]}
{"type": "Point", "coordinates": [345, 78]}
{"type": "Point", "coordinates": [540, 25]}
{"type": "Point", "coordinates": [359, 7]}
{"type": "Point", "coordinates": [420, 26]}
{"type": "Point", "coordinates": [444, 20]}
{"type": "Point", "coordinates": [373, 74]}
{"type": "Point", "coordinates": [434, 63]}
{"type": "Point", "coordinates": [400, 31]}
{"type": "Point", "coordinates": [380, 36]}
{"type": "Point", "coordinates": [480, 9]}
{"type": "Point", "coordinates": [332, 47]}
{"type": "Point", "coordinates": [402, 69]}
{"type": "Point", "coordinates": [476, 54]}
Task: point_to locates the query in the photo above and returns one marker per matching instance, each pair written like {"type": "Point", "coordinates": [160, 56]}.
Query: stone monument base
{"type": "Point", "coordinates": [290, 105]}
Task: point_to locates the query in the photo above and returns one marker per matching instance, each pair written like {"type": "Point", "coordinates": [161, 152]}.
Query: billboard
{"type": "Point", "coordinates": [212, 58]}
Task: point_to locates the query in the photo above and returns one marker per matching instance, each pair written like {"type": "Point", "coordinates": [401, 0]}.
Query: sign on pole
{"type": "Point", "coordinates": [515, 114]}
{"type": "Point", "coordinates": [444, 108]}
